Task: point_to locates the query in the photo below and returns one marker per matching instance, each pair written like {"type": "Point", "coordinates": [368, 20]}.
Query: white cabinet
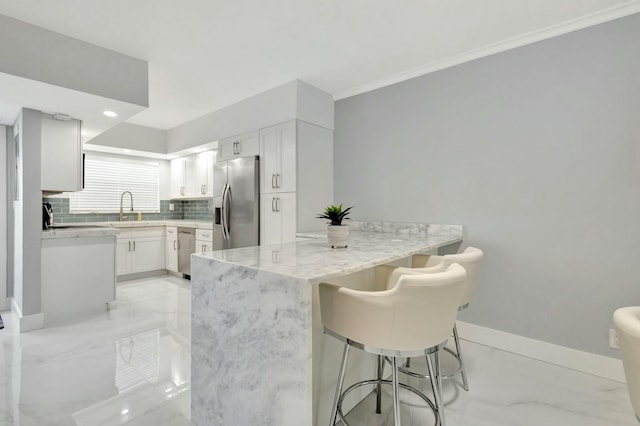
{"type": "Point", "coordinates": [171, 249]}
{"type": "Point", "coordinates": [61, 155]}
{"type": "Point", "coordinates": [278, 158]}
{"type": "Point", "coordinates": [277, 218]}
{"type": "Point", "coordinates": [140, 250]}
{"type": "Point", "coordinates": [239, 146]}
{"type": "Point", "coordinates": [178, 178]}
{"type": "Point", "coordinates": [204, 181]}
{"type": "Point", "coordinates": [296, 171]}
{"type": "Point", "coordinates": [204, 240]}
{"type": "Point", "coordinates": [192, 176]}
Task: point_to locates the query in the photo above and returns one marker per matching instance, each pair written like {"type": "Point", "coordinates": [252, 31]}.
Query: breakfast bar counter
{"type": "Point", "coordinates": [259, 355]}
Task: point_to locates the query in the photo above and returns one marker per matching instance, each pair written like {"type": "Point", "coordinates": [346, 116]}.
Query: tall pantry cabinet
{"type": "Point", "coordinates": [296, 179]}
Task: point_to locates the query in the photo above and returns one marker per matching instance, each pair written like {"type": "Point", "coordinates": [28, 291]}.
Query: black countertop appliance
{"type": "Point", "coordinates": [47, 216]}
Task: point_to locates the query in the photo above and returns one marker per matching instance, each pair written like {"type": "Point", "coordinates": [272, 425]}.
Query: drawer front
{"type": "Point", "coordinates": [148, 232]}
{"type": "Point", "coordinates": [204, 234]}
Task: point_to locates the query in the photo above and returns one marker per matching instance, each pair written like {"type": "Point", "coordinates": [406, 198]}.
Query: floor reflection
{"type": "Point", "coordinates": [128, 366]}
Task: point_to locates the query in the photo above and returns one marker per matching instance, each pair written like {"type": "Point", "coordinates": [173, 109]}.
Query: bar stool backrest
{"type": "Point", "coordinates": [627, 324]}
{"type": "Point", "coordinates": [416, 314]}
{"type": "Point", "coordinates": [468, 259]}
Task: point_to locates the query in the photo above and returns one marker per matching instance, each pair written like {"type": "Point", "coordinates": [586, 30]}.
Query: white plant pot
{"type": "Point", "coordinates": [338, 236]}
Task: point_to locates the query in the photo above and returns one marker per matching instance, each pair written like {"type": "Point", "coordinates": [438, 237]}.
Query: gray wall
{"type": "Point", "coordinates": [536, 151]}
{"type": "Point", "coordinates": [39, 54]}
{"type": "Point", "coordinates": [3, 219]}
{"type": "Point", "coordinates": [30, 231]}
{"type": "Point", "coordinates": [10, 192]}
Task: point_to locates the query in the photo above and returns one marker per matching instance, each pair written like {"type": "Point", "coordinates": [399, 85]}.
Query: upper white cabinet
{"type": "Point", "coordinates": [204, 181]}
{"type": "Point", "coordinates": [278, 158]}
{"type": "Point", "coordinates": [178, 178]}
{"type": "Point", "coordinates": [296, 172]}
{"type": "Point", "coordinates": [192, 176]}
{"type": "Point", "coordinates": [239, 146]}
{"type": "Point", "coordinates": [61, 155]}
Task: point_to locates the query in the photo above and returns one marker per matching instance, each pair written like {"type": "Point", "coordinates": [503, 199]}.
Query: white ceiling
{"type": "Point", "coordinates": [206, 54]}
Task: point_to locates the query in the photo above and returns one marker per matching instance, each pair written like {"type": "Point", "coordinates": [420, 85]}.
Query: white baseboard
{"type": "Point", "coordinates": [598, 365]}
{"type": "Point", "coordinates": [28, 322]}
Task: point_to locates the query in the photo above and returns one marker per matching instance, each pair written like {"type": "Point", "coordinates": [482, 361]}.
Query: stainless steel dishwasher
{"type": "Point", "coordinates": [186, 246]}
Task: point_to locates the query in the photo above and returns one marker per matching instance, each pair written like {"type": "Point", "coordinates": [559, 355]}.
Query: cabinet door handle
{"type": "Point", "coordinates": [134, 246]}
{"type": "Point", "coordinates": [178, 244]}
{"type": "Point", "coordinates": [277, 205]}
{"type": "Point", "coordinates": [129, 245]}
{"type": "Point", "coordinates": [277, 181]}
{"type": "Point", "coordinates": [273, 204]}
{"type": "Point", "coordinates": [174, 244]}
{"type": "Point", "coordinates": [273, 177]}
{"type": "Point", "coordinates": [182, 190]}
{"type": "Point", "coordinates": [239, 148]}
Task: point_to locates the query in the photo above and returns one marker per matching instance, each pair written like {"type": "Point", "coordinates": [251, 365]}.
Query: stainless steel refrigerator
{"type": "Point", "coordinates": [236, 202]}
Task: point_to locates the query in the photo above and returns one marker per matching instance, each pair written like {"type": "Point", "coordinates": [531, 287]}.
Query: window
{"type": "Point", "coordinates": [107, 178]}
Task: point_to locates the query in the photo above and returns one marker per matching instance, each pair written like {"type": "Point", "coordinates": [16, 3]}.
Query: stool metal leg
{"type": "Point", "coordinates": [436, 384]}
{"type": "Point", "coordinates": [463, 371]}
{"type": "Point", "coordinates": [343, 369]}
{"type": "Point", "coordinates": [396, 393]}
{"type": "Point", "coordinates": [379, 387]}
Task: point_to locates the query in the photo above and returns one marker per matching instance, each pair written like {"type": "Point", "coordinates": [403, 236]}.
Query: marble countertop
{"type": "Point", "coordinates": [190, 223]}
{"type": "Point", "coordinates": [79, 231]}
{"type": "Point", "coordinates": [95, 229]}
{"type": "Point", "coordinates": [314, 261]}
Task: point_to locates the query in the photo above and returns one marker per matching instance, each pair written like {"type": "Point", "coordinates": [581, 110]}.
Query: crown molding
{"type": "Point", "coordinates": [605, 15]}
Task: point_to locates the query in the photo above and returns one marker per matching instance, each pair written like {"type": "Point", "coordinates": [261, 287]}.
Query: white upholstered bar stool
{"type": "Point", "coordinates": [384, 323]}
{"type": "Point", "coordinates": [627, 324]}
{"type": "Point", "coordinates": [469, 259]}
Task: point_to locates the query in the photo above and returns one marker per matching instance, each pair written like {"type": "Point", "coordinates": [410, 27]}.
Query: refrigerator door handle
{"type": "Point", "coordinates": [225, 212]}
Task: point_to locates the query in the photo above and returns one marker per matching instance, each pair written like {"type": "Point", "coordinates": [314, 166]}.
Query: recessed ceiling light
{"type": "Point", "coordinates": [125, 411]}
{"type": "Point", "coordinates": [110, 114]}
{"type": "Point", "coordinates": [126, 150]}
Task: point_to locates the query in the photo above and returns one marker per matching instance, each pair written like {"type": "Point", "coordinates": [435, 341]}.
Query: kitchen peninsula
{"type": "Point", "coordinates": [259, 355]}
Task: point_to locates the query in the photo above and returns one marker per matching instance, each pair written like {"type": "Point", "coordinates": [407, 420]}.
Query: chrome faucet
{"type": "Point", "coordinates": [122, 216]}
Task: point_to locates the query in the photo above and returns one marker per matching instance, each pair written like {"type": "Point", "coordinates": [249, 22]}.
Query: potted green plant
{"type": "Point", "coordinates": [337, 233]}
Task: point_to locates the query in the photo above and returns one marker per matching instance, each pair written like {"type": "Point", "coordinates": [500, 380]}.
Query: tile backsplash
{"type": "Point", "coordinates": [183, 209]}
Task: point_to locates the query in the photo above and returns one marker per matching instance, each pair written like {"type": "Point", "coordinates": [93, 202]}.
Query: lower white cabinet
{"type": "Point", "coordinates": [140, 250]}
{"type": "Point", "coordinates": [204, 240]}
{"type": "Point", "coordinates": [172, 249]}
{"type": "Point", "coordinates": [278, 218]}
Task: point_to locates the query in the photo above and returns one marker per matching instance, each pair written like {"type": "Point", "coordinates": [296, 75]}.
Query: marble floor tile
{"type": "Point", "coordinates": [132, 366]}
{"type": "Point", "coordinates": [508, 390]}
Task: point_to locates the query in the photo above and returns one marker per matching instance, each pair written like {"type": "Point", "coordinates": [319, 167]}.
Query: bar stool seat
{"type": "Point", "coordinates": [413, 318]}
